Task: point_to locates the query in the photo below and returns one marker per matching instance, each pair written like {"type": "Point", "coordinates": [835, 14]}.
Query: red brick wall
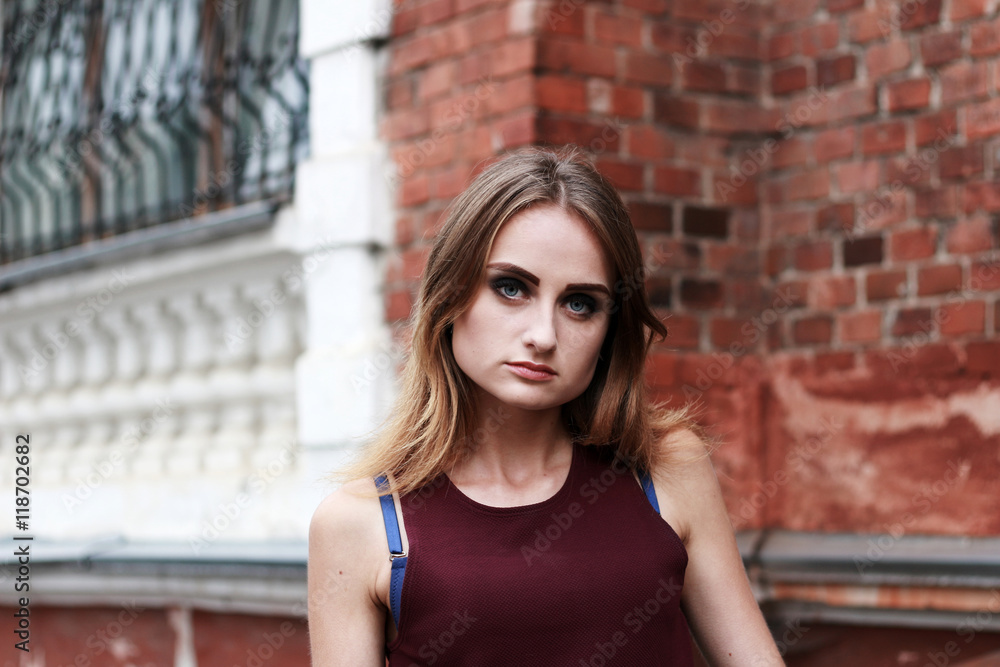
{"type": "Point", "coordinates": [133, 634]}
{"type": "Point", "coordinates": [800, 237]}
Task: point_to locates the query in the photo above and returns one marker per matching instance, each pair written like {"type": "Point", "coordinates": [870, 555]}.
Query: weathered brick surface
{"type": "Point", "coordinates": [839, 153]}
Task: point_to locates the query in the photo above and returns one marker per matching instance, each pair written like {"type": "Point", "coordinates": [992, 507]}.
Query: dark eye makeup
{"type": "Point", "coordinates": [503, 287]}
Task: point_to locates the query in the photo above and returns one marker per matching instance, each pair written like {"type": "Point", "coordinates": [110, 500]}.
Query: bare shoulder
{"type": "Point", "coordinates": [345, 556]}
{"type": "Point", "coordinates": [687, 480]}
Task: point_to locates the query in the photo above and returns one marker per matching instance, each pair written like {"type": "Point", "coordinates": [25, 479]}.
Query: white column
{"type": "Point", "coordinates": [343, 224]}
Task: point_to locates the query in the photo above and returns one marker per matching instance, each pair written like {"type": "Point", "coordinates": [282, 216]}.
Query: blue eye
{"type": "Point", "coordinates": [503, 284]}
{"type": "Point", "coordinates": [589, 304]}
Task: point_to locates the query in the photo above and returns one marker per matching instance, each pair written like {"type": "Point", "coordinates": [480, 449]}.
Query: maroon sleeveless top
{"type": "Point", "coordinates": [592, 576]}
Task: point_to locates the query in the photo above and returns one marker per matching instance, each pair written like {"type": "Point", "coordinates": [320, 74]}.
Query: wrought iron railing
{"type": "Point", "coordinates": [122, 114]}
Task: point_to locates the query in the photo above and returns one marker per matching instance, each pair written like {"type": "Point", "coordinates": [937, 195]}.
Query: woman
{"type": "Point", "coordinates": [547, 512]}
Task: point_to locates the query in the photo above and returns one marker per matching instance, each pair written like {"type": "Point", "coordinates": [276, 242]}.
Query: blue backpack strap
{"type": "Point", "coordinates": [647, 486]}
{"type": "Point", "coordinates": [396, 553]}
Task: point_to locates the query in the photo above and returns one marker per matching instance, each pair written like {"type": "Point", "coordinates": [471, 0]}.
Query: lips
{"type": "Point", "coordinates": [541, 368]}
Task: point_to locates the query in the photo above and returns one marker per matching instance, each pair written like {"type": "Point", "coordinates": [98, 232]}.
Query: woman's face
{"type": "Point", "coordinates": [544, 301]}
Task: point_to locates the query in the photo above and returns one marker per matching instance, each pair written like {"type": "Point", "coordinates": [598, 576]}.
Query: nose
{"type": "Point", "coordinates": [540, 332]}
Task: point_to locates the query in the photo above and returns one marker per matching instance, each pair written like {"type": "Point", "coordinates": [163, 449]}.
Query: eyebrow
{"type": "Point", "coordinates": [533, 279]}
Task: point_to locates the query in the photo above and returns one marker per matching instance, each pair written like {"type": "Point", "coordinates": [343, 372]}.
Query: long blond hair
{"type": "Point", "coordinates": [431, 427]}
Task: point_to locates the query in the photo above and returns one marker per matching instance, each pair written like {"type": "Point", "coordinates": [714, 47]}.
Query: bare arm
{"type": "Point", "coordinates": [720, 607]}
{"type": "Point", "coordinates": [346, 621]}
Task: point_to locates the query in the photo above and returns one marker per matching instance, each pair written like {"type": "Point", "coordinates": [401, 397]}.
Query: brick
{"type": "Point", "coordinates": [985, 38]}
{"type": "Point", "coordinates": [811, 184]}
{"type": "Point", "coordinates": [676, 181]}
{"type": "Point", "coordinates": [938, 279]}
{"type": "Point", "coordinates": [783, 45]}
{"type": "Point", "coordinates": [558, 93]}
{"type": "Point", "coordinates": [830, 362]}
{"type": "Point", "coordinates": [706, 222]}
{"type": "Point", "coordinates": [558, 130]}
{"type": "Point", "coordinates": [912, 171]}
{"type": "Point", "coordinates": [909, 94]}
{"type": "Point", "coordinates": [827, 292]}
{"type": "Point", "coordinates": [883, 137]}
{"type": "Point", "coordinates": [813, 330]}
{"type": "Point", "coordinates": [646, 68]}
{"type": "Point", "coordinates": [561, 18]}
{"type": "Point", "coordinates": [820, 38]}
{"type": "Point", "coordinates": [983, 119]}
{"type": "Point", "coordinates": [835, 217]}
{"type": "Point", "coordinates": [776, 260]}
{"type": "Point", "coordinates": [661, 368]}
{"type": "Point", "coordinates": [966, 9]}
{"type": "Point", "coordinates": [701, 294]}
{"type": "Point", "coordinates": [727, 190]}
{"type": "Point", "coordinates": [985, 276]}
{"type": "Point", "coordinates": [835, 143]}
{"type": "Point", "coordinates": [792, 221]}
{"type": "Point", "coordinates": [882, 59]}
{"type": "Point", "coordinates": [703, 76]}
{"type": "Point", "coordinates": [614, 29]}
{"type": "Point", "coordinates": [935, 127]}
{"type": "Point", "coordinates": [660, 291]}
{"type": "Point", "coordinates": [793, 292]}
{"type": "Point", "coordinates": [678, 255]}
{"type": "Point", "coordinates": [860, 251]}
{"type": "Point", "coordinates": [939, 202]}
{"type": "Point", "coordinates": [864, 25]}
{"type": "Point", "coordinates": [683, 331]}
{"type": "Point", "coordinates": [398, 303]}
{"type": "Point", "coordinates": [857, 176]}
{"type": "Point", "coordinates": [973, 235]}
{"type": "Point", "coordinates": [525, 128]}
{"type": "Point", "coordinates": [885, 285]}
{"type": "Point", "coordinates": [864, 326]}
{"type": "Point", "coordinates": [962, 317]}
{"type": "Point", "coordinates": [284, 640]}
{"type": "Point", "coordinates": [731, 258]}
{"type": "Point", "coordinates": [912, 321]}
{"type": "Point", "coordinates": [910, 244]}
{"type": "Point", "coordinates": [651, 216]}
{"type": "Point", "coordinates": [833, 70]}
{"type": "Point", "coordinates": [725, 331]}
{"type": "Point", "coordinates": [843, 5]}
{"type": "Point", "coordinates": [883, 210]}
{"type": "Point", "coordinates": [565, 55]}
{"type": "Point", "coordinates": [847, 104]}
{"type": "Point", "coordinates": [788, 79]}
{"type": "Point", "coordinates": [788, 152]}
{"type": "Point", "coordinates": [649, 142]}
{"type": "Point", "coordinates": [628, 101]}
{"type": "Point", "coordinates": [813, 255]}
{"type": "Point", "coordinates": [671, 38]}
{"type": "Point", "coordinates": [745, 79]}
{"type": "Point", "coordinates": [623, 175]}
{"type": "Point", "coordinates": [963, 81]}
{"type": "Point", "coordinates": [983, 358]}
{"type": "Point", "coordinates": [940, 47]}
{"type": "Point", "coordinates": [981, 195]}
{"type": "Point", "coordinates": [676, 111]}
{"type": "Point", "coordinates": [961, 162]}
{"type": "Point", "coordinates": [923, 13]}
